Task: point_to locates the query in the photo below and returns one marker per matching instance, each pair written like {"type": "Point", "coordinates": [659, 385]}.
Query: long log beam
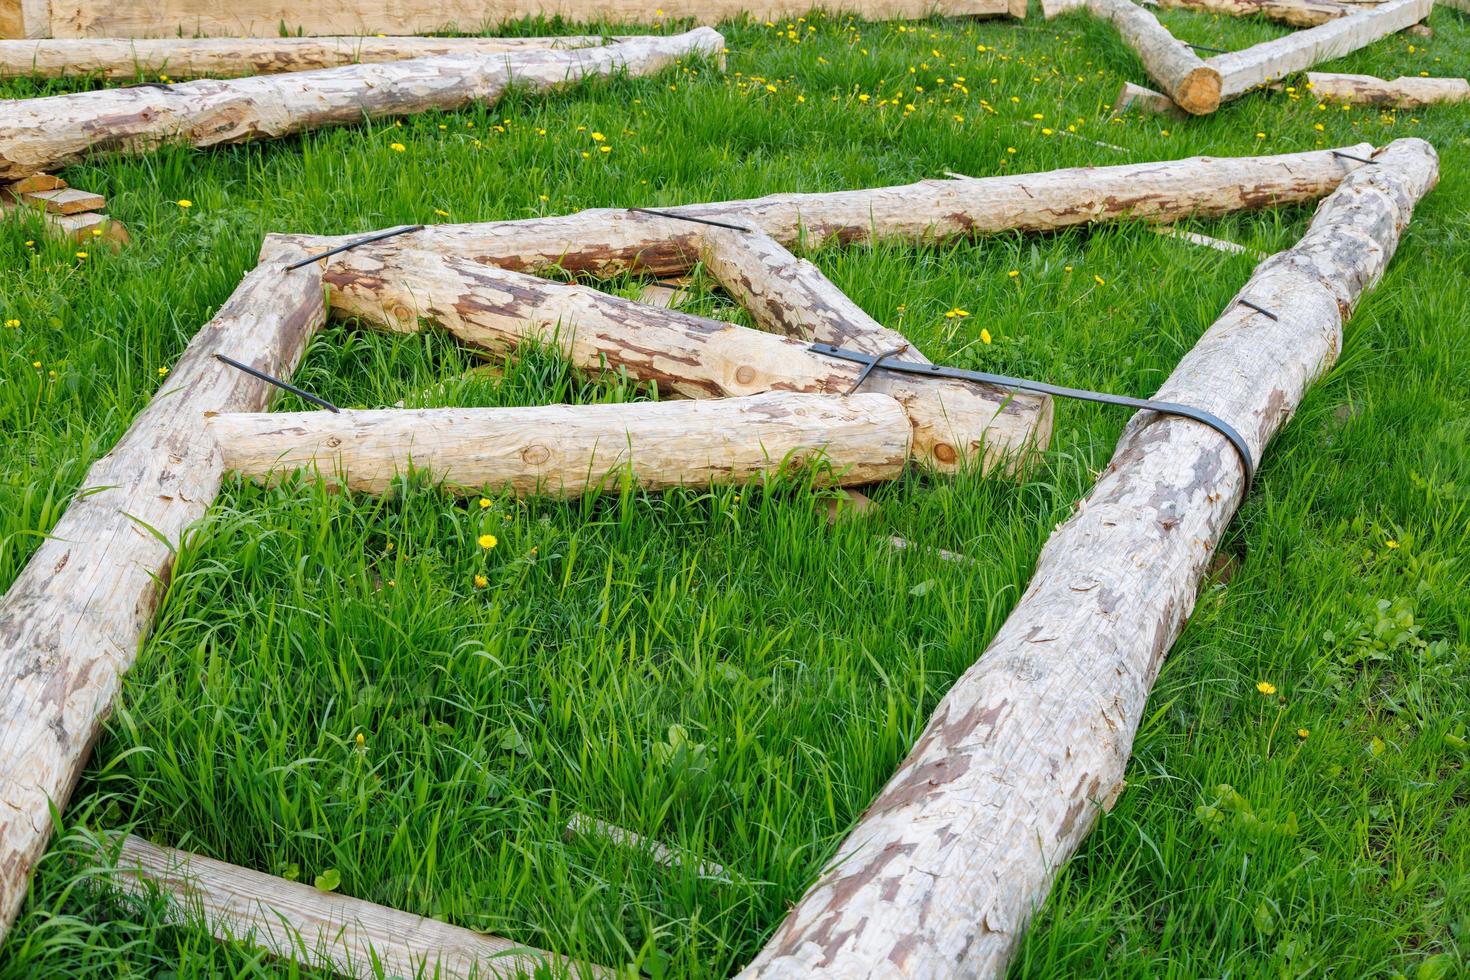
{"type": "Point", "coordinates": [72, 621]}
{"type": "Point", "coordinates": [1296, 13]}
{"type": "Point", "coordinates": [609, 241]}
{"type": "Point", "coordinates": [954, 423]}
{"type": "Point", "coordinates": [946, 867]}
{"type": "Point", "coordinates": [1192, 83]}
{"type": "Point", "coordinates": [351, 937]}
{"type": "Point", "coordinates": [47, 133]}
{"type": "Point", "coordinates": [1241, 71]}
{"type": "Point", "coordinates": [228, 57]}
{"type": "Point", "coordinates": [568, 450]}
{"type": "Point", "coordinates": [1406, 92]}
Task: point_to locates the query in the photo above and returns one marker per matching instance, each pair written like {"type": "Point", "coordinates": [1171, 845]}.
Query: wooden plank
{"type": "Point", "coordinates": [87, 227]}
{"type": "Point", "coordinates": [1192, 83]}
{"type": "Point", "coordinates": [1218, 244]}
{"type": "Point", "coordinates": [946, 867]}
{"type": "Point", "coordinates": [183, 58]}
{"type": "Point", "coordinates": [64, 200]}
{"type": "Point", "coordinates": [346, 935]}
{"type": "Point", "coordinates": [71, 623]}
{"type": "Point", "coordinates": [264, 18]}
{"type": "Point", "coordinates": [46, 133]}
{"type": "Point", "coordinates": [1241, 71]}
{"type": "Point", "coordinates": [569, 450]}
{"type": "Point", "coordinates": [35, 182]}
{"type": "Point", "coordinates": [1405, 92]}
{"type": "Point", "coordinates": [661, 854]}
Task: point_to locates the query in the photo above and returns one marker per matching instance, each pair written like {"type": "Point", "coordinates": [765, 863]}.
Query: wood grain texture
{"type": "Point", "coordinates": [46, 133]}
{"type": "Point", "coordinates": [568, 450]}
{"type": "Point", "coordinates": [1192, 83]}
{"type": "Point", "coordinates": [71, 623]}
{"type": "Point", "coordinates": [944, 870]}
{"type": "Point", "coordinates": [1132, 96]}
{"type": "Point", "coordinates": [180, 58]}
{"type": "Point", "coordinates": [1297, 13]}
{"type": "Point", "coordinates": [263, 18]}
{"type": "Point", "coordinates": [496, 309]}
{"type": "Point", "coordinates": [1406, 92]}
{"type": "Point", "coordinates": [325, 930]}
{"type": "Point", "coordinates": [609, 241]}
{"type": "Point", "coordinates": [1241, 71]}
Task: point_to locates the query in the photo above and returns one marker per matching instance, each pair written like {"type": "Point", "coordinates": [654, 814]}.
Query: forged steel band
{"type": "Point", "coordinates": [390, 233]}
{"type": "Point", "coordinates": [885, 362]}
{"type": "Point", "coordinates": [283, 385]}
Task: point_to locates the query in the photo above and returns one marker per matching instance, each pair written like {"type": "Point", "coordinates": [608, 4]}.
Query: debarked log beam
{"type": "Point", "coordinates": [568, 450]}
{"type": "Point", "coordinates": [946, 867]}
{"type": "Point", "coordinates": [230, 57]}
{"type": "Point", "coordinates": [1192, 83]}
{"type": "Point", "coordinates": [608, 241]}
{"type": "Point", "coordinates": [954, 423]}
{"type": "Point", "coordinates": [318, 929]}
{"type": "Point", "coordinates": [72, 621]}
{"type": "Point", "coordinates": [1296, 13]}
{"type": "Point", "coordinates": [47, 133]}
{"type": "Point", "coordinates": [1407, 92]}
{"type": "Point", "coordinates": [1241, 71]}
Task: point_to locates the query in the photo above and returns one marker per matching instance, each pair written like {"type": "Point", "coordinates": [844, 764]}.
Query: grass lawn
{"type": "Point", "coordinates": [329, 692]}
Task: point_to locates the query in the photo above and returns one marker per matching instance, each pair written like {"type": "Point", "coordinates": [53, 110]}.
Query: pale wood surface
{"type": "Point", "coordinates": [78, 228]}
{"type": "Point", "coordinates": [1192, 83]}
{"type": "Point", "coordinates": [322, 929]}
{"type": "Point", "coordinates": [71, 623]}
{"type": "Point", "coordinates": [64, 200]}
{"type": "Point", "coordinates": [1132, 96]}
{"type": "Point", "coordinates": [1407, 92]}
{"type": "Point", "coordinates": [607, 241]}
{"type": "Point", "coordinates": [35, 182]}
{"type": "Point", "coordinates": [946, 867]}
{"type": "Point", "coordinates": [496, 309]}
{"type": "Point", "coordinates": [1297, 13]}
{"type": "Point", "coordinates": [263, 18]}
{"type": "Point", "coordinates": [1241, 71]}
{"type": "Point", "coordinates": [669, 857]}
{"type": "Point", "coordinates": [181, 58]}
{"type": "Point", "coordinates": [46, 133]}
{"type": "Point", "coordinates": [567, 450]}
{"type": "Point", "coordinates": [1218, 244]}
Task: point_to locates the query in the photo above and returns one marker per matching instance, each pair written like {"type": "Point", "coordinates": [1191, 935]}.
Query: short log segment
{"type": "Point", "coordinates": [1132, 96]}
{"type": "Point", "coordinates": [351, 937]}
{"type": "Point", "coordinates": [1297, 13]}
{"type": "Point", "coordinates": [1241, 71]}
{"type": "Point", "coordinates": [1192, 83]}
{"type": "Point", "coordinates": [606, 242]}
{"type": "Point", "coordinates": [233, 57]}
{"type": "Point", "coordinates": [954, 424]}
{"type": "Point", "coordinates": [71, 623]}
{"type": "Point", "coordinates": [945, 868]}
{"type": "Point", "coordinates": [568, 450]}
{"type": "Point", "coordinates": [47, 133]}
{"type": "Point", "coordinates": [1407, 92]}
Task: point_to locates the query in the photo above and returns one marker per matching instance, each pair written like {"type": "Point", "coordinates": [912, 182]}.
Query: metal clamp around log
{"type": "Point", "coordinates": [885, 361]}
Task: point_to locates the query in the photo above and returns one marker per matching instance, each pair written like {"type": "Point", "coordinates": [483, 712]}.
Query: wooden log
{"type": "Point", "coordinates": [954, 425]}
{"type": "Point", "coordinates": [1132, 96]}
{"type": "Point", "coordinates": [1406, 92]}
{"type": "Point", "coordinates": [606, 242]}
{"type": "Point", "coordinates": [569, 450]}
{"type": "Point", "coordinates": [318, 929]}
{"type": "Point", "coordinates": [71, 623]}
{"type": "Point", "coordinates": [265, 18]}
{"type": "Point", "coordinates": [182, 58]}
{"type": "Point", "coordinates": [661, 854]}
{"type": "Point", "coordinates": [943, 871]}
{"type": "Point", "coordinates": [791, 296]}
{"type": "Point", "coordinates": [43, 134]}
{"type": "Point", "coordinates": [1241, 71]}
{"type": "Point", "coordinates": [1192, 83]}
{"type": "Point", "coordinates": [1297, 13]}
{"type": "Point", "coordinates": [1055, 8]}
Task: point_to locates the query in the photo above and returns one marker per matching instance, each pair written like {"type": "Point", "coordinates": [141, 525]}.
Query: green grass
{"type": "Point", "coordinates": [722, 670]}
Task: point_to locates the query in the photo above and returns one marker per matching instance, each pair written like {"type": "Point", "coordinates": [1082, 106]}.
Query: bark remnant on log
{"type": "Point", "coordinates": [51, 132]}
{"type": "Point", "coordinates": [72, 621]}
{"type": "Point", "coordinates": [944, 870]}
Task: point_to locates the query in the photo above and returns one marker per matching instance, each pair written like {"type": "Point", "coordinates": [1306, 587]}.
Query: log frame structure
{"type": "Point", "coordinates": [73, 621]}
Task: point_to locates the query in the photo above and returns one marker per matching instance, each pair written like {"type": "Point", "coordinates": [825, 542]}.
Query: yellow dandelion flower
{"type": "Point", "coordinates": [984, 336]}
{"type": "Point", "coordinates": [1099, 280]}
{"type": "Point", "coordinates": [12, 323]}
{"type": "Point", "coordinates": [1390, 544]}
{"type": "Point", "coordinates": [186, 203]}
{"type": "Point", "coordinates": [360, 740]}
{"type": "Point", "coordinates": [397, 147]}
{"type": "Point", "coordinates": [481, 581]}
{"type": "Point", "coordinates": [1303, 732]}
{"type": "Point", "coordinates": [487, 541]}
{"type": "Point", "coordinates": [81, 255]}
{"type": "Point", "coordinates": [163, 372]}
{"type": "Point", "coordinates": [604, 149]}
{"type": "Point", "coordinates": [951, 314]}
{"type": "Point", "coordinates": [484, 503]}
{"type": "Point", "coordinates": [1014, 273]}
{"type": "Point", "coordinates": [1266, 688]}
{"type": "Point", "coordinates": [598, 137]}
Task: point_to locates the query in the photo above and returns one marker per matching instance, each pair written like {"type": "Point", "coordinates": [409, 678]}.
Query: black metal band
{"type": "Point", "coordinates": [390, 233]}
{"type": "Point", "coordinates": [885, 362]}
{"type": "Point", "coordinates": [283, 385]}
{"type": "Point", "coordinates": [686, 217]}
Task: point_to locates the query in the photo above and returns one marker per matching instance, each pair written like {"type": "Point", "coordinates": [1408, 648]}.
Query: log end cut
{"type": "Point", "coordinates": [1199, 91]}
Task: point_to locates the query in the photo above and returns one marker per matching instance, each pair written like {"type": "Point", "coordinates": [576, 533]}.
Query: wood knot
{"type": "Point", "coordinates": [745, 374]}
{"type": "Point", "coordinates": [945, 453]}
{"type": "Point", "coordinates": [402, 314]}
{"type": "Point", "coordinates": [333, 442]}
{"type": "Point", "coordinates": [535, 455]}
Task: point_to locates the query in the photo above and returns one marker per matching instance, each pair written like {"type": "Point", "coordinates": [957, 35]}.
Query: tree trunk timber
{"type": "Point", "coordinates": [123, 58]}
{"type": "Point", "coordinates": [1297, 13]}
{"type": "Point", "coordinates": [1190, 82]}
{"type": "Point", "coordinates": [1241, 71]}
{"type": "Point", "coordinates": [608, 241]}
{"type": "Point", "coordinates": [47, 133]}
{"type": "Point", "coordinates": [1405, 93]}
{"type": "Point", "coordinates": [946, 867]}
{"type": "Point", "coordinates": [954, 424]}
{"type": "Point", "coordinates": [346, 934]}
{"type": "Point", "coordinates": [71, 623]}
{"type": "Point", "coordinates": [568, 450]}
